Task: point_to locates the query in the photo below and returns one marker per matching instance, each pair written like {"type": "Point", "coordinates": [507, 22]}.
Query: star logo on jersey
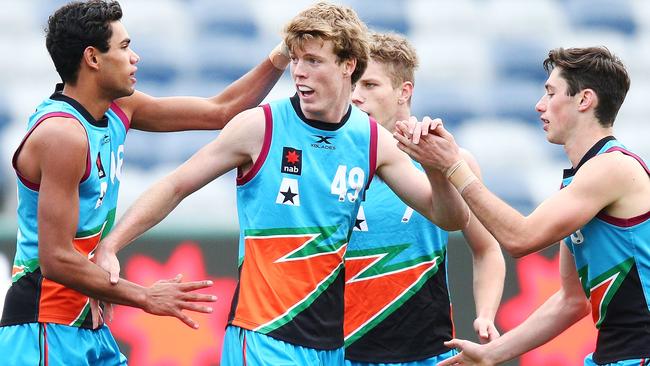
{"type": "Point", "coordinates": [376, 285]}
{"type": "Point", "coordinates": [288, 194]}
{"type": "Point", "coordinates": [323, 142]}
{"type": "Point", "coordinates": [360, 223]}
{"type": "Point", "coordinates": [291, 161]}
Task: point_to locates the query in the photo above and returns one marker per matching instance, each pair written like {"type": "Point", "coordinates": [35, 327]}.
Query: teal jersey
{"type": "Point", "coordinates": [296, 209]}
{"type": "Point", "coordinates": [612, 256]}
{"type": "Point", "coordinates": [397, 306]}
{"type": "Point", "coordinates": [33, 298]}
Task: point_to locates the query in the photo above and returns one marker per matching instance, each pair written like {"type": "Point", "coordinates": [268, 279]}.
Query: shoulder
{"type": "Point", "coordinates": [129, 104]}
{"type": "Point", "coordinates": [58, 132]}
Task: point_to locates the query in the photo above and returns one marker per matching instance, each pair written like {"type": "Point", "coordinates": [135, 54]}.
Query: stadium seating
{"type": "Point", "coordinates": [480, 69]}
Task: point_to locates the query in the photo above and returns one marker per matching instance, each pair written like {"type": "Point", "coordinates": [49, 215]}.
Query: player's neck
{"type": "Point", "coordinates": [89, 97]}
{"type": "Point", "coordinates": [584, 139]}
{"type": "Point", "coordinates": [402, 114]}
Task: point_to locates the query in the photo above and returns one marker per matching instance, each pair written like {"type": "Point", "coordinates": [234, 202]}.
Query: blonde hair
{"type": "Point", "coordinates": [336, 23]}
{"type": "Point", "coordinates": [397, 54]}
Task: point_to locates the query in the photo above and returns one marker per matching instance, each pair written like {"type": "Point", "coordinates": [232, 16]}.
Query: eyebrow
{"type": "Point", "coordinates": [126, 40]}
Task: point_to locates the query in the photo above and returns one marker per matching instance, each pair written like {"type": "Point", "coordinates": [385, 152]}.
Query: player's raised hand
{"type": "Point", "coordinates": [471, 354]}
{"type": "Point", "coordinates": [437, 149]}
{"type": "Point", "coordinates": [171, 297]}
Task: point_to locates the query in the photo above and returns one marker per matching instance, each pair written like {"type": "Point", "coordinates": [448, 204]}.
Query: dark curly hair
{"type": "Point", "coordinates": [76, 26]}
{"type": "Point", "coordinates": [593, 68]}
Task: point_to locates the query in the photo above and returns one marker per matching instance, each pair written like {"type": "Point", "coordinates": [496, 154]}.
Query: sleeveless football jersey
{"type": "Point", "coordinates": [296, 210]}
{"type": "Point", "coordinates": [612, 256]}
{"type": "Point", "coordinates": [397, 306]}
{"type": "Point", "coordinates": [31, 297]}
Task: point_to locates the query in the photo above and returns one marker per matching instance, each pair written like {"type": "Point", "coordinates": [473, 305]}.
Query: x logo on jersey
{"type": "Point", "coordinates": [324, 139]}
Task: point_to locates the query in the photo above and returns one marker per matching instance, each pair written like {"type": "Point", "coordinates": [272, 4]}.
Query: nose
{"type": "Point", "coordinates": [541, 104]}
{"type": "Point", "coordinates": [135, 58]}
{"type": "Point", "coordinates": [357, 98]}
{"type": "Point", "coordinates": [298, 69]}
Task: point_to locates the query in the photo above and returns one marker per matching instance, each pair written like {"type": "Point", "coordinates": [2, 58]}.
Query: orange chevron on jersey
{"type": "Point", "coordinates": [282, 274]}
{"type": "Point", "coordinates": [370, 298]}
{"type": "Point", "coordinates": [61, 304]}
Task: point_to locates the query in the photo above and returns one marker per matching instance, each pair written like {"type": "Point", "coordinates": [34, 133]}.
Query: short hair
{"type": "Point", "coordinates": [76, 26]}
{"type": "Point", "coordinates": [397, 54]}
{"type": "Point", "coordinates": [336, 23]}
{"type": "Point", "coordinates": [593, 68]}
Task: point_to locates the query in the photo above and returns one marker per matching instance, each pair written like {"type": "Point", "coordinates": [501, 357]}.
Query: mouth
{"type": "Point", "coordinates": [305, 91]}
{"type": "Point", "coordinates": [545, 123]}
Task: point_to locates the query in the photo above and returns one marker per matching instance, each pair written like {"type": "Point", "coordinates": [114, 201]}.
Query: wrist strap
{"type": "Point", "coordinates": [460, 175]}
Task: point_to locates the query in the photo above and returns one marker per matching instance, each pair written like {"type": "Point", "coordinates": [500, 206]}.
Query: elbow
{"type": "Point", "coordinates": [452, 222]}
{"type": "Point", "coordinates": [577, 305]}
{"type": "Point", "coordinates": [52, 267]}
{"type": "Point", "coordinates": [515, 248]}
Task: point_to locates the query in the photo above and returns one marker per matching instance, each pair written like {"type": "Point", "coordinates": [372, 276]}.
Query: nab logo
{"type": "Point", "coordinates": [291, 161]}
{"type": "Point", "coordinates": [323, 142]}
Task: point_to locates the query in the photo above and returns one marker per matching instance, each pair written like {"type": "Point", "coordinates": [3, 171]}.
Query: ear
{"type": "Point", "coordinates": [405, 93]}
{"type": "Point", "coordinates": [90, 57]}
{"type": "Point", "coordinates": [588, 99]}
{"type": "Point", "coordinates": [349, 66]}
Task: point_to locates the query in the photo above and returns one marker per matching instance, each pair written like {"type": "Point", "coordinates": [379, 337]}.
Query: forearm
{"type": "Point", "coordinates": [563, 311]}
{"type": "Point", "coordinates": [449, 211]}
{"type": "Point", "coordinates": [147, 211]}
{"type": "Point", "coordinates": [249, 90]}
{"type": "Point", "coordinates": [508, 226]}
{"type": "Point", "coordinates": [73, 270]}
{"type": "Point", "coordinates": [488, 278]}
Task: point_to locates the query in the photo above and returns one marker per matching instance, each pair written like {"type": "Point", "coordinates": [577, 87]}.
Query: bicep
{"type": "Point", "coordinates": [58, 199]}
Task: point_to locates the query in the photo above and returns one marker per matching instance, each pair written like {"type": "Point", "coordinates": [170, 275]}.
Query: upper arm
{"type": "Point", "coordinates": [61, 170]}
{"type": "Point", "coordinates": [399, 173]}
{"type": "Point", "coordinates": [237, 145]}
{"type": "Point", "coordinates": [598, 184]}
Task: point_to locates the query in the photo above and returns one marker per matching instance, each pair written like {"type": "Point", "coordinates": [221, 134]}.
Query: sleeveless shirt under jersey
{"type": "Point", "coordinates": [31, 297]}
{"type": "Point", "coordinates": [397, 306]}
{"type": "Point", "coordinates": [612, 256]}
{"type": "Point", "coordinates": [296, 209]}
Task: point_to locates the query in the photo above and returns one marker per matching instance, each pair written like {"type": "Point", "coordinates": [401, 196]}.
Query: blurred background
{"type": "Point", "coordinates": [480, 70]}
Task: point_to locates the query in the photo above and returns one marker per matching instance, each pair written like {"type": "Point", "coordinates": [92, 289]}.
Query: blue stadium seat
{"type": "Point", "coordinates": [519, 59]}
{"type": "Point", "coordinates": [225, 59]}
{"type": "Point", "coordinates": [515, 99]}
{"type": "Point", "coordinates": [607, 14]}
{"type": "Point", "coordinates": [224, 17]}
{"type": "Point", "coordinates": [389, 16]}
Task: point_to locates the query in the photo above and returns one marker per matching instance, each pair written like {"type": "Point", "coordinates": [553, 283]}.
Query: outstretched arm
{"type": "Point", "coordinates": [599, 183]}
{"type": "Point", "coordinates": [565, 307]}
{"type": "Point", "coordinates": [59, 172]}
{"type": "Point", "coordinates": [194, 113]}
{"type": "Point", "coordinates": [238, 144]}
{"type": "Point", "coordinates": [434, 197]}
{"type": "Point", "coordinates": [488, 270]}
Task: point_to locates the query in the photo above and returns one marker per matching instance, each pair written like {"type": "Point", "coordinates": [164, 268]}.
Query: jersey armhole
{"type": "Point", "coordinates": [14, 160]}
{"type": "Point", "coordinates": [266, 146]}
{"type": "Point", "coordinates": [373, 151]}
{"type": "Point", "coordinates": [121, 115]}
